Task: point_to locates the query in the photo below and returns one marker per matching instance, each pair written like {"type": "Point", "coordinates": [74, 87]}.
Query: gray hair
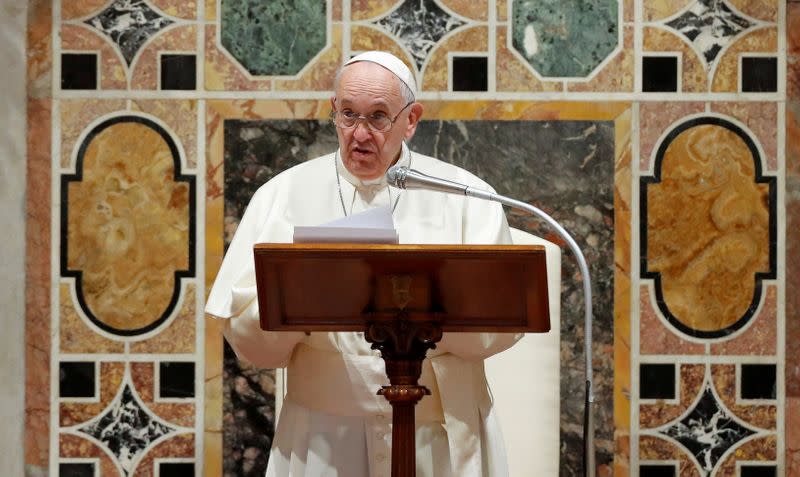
{"type": "Point", "coordinates": [405, 91]}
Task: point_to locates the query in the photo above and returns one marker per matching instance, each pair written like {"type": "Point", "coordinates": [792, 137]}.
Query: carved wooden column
{"type": "Point", "coordinates": [403, 345]}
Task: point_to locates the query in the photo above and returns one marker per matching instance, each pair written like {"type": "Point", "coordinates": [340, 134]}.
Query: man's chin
{"type": "Point", "coordinates": [365, 170]}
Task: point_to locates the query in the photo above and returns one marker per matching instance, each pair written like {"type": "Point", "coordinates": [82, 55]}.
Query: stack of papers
{"type": "Point", "coordinates": [371, 226]}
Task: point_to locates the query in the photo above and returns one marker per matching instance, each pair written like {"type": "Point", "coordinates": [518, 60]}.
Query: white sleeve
{"type": "Point", "coordinates": [233, 296]}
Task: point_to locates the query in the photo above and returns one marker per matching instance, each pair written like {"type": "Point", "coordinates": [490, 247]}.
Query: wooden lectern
{"type": "Point", "coordinates": [403, 297]}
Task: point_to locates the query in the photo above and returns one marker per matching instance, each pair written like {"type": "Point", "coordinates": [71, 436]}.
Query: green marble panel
{"type": "Point", "coordinates": [274, 38]}
{"type": "Point", "coordinates": [564, 38]}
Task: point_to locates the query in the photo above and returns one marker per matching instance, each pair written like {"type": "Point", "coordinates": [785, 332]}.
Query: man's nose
{"type": "Point", "coordinates": [362, 131]}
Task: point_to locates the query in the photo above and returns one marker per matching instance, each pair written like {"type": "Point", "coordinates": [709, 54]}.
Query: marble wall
{"type": "Point", "coordinates": [663, 134]}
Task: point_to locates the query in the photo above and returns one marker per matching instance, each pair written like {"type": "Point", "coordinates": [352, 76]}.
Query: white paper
{"type": "Point", "coordinates": [371, 226]}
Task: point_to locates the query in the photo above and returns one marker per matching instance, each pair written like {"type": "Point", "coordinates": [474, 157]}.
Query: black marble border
{"type": "Point", "coordinates": [771, 181]}
{"type": "Point", "coordinates": [178, 176]}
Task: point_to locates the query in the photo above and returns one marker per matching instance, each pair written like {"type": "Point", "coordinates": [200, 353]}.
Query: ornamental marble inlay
{"type": "Point", "coordinates": [707, 431]}
{"type": "Point", "coordinates": [710, 25]}
{"type": "Point", "coordinates": [127, 429]}
{"type": "Point", "coordinates": [129, 24]}
{"type": "Point", "coordinates": [419, 25]}
{"type": "Point", "coordinates": [564, 38]}
{"type": "Point", "coordinates": [276, 38]}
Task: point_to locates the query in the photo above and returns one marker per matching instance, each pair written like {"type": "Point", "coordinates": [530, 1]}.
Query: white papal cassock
{"type": "Point", "coordinates": [332, 422]}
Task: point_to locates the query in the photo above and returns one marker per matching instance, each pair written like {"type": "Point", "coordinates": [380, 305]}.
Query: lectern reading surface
{"type": "Point", "coordinates": [403, 297]}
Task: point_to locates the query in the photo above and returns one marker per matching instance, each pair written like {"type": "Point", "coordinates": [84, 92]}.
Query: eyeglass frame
{"type": "Point", "coordinates": [364, 118]}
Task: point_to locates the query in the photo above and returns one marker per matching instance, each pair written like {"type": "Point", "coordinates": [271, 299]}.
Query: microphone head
{"type": "Point", "coordinates": [396, 175]}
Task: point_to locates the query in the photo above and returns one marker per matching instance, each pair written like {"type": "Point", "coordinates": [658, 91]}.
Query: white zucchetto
{"type": "Point", "coordinates": [391, 63]}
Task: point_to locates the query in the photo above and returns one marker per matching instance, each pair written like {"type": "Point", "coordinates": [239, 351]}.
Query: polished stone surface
{"type": "Point", "coordinates": [564, 167]}
{"type": "Point", "coordinates": [565, 38]}
{"type": "Point", "coordinates": [710, 25]}
{"type": "Point", "coordinates": [129, 24]}
{"type": "Point", "coordinates": [274, 38]}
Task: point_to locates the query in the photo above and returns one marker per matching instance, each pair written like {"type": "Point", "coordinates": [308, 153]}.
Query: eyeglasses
{"type": "Point", "coordinates": [377, 122]}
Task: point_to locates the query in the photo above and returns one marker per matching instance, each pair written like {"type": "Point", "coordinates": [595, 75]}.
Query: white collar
{"type": "Point", "coordinates": [379, 182]}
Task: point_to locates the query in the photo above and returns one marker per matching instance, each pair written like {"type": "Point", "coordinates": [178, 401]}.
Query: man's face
{"type": "Point", "coordinates": [366, 89]}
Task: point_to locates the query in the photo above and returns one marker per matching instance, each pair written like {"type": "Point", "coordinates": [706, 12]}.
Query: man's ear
{"type": "Point", "coordinates": [333, 103]}
{"type": "Point", "coordinates": [413, 120]}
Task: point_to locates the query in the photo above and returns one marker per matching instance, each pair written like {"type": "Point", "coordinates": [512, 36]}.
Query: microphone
{"type": "Point", "coordinates": [403, 177]}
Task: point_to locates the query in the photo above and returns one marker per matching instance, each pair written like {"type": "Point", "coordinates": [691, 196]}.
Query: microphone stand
{"type": "Point", "coordinates": [405, 178]}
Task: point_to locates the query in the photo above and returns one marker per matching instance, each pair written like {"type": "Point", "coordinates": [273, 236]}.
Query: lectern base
{"type": "Point", "coordinates": [403, 345]}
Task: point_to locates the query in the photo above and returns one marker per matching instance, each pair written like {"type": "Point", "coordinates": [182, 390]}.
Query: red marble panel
{"type": "Point", "coordinates": [657, 338]}
{"type": "Point", "coordinates": [39, 49]}
{"type": "Point", "coordinates": [144, 70]}
{"type": "Point", "coordinates": [763, 416]}
{"type": "Point", "coordinates": [366, 9]}
{"type": "Point", "coordinates": [178, 413]}
{"type": "Point", "coordinates": [71, 445]}
{"type": "Point", "coordinates": [792, 438]}
{"type": "Point", "coordinates": [179, 336]}
{"type": "Point", "coordinates": [692, 377]}
{"type": "Point", "coordinates": [654, 448]}
{"type": "Point", "coordinates": [726, 70]}
{"type": "Point", "coordinates": [37, 285]}
{"type": "Point", "coordinates": [654, 119]}
{"type": "Point", "coordinates": [112, 73]}
{"type": "Point", "coordinates": [180, 116]}
{"type": "Point", "coordinates": [760, 337]}
{"type": "Point", "coordinates": [754, 450]}
{"type": "Point", "coordinates": [762, 120]}
{"type": "Point", "coordinates": [181, 446]}
{"type": "Point", "coordinates": [111, 376]}
{"type": "Point", "coordinates": [76, 115]}
{"type": "Point", "coordinates": [185, 9]}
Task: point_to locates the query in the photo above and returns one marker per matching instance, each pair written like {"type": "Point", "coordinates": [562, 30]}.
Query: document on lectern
{"type": "Point", "coordinates": [371, 226]}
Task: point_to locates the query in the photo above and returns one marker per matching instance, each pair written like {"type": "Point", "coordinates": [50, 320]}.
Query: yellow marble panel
{"type": "Point", "coordinates": [111, 375]}
{"type": "Point", "coordinates": [320, 75]}
{"type": "Point", "coordinates": [654, 119]}
{"type": "Point", "coordinates": [617, 74]}
{"type": "Point", "coordinates": [766, 10]}
{"type": "Point", "coordinates": [112, 72]}
{"type": "Point", "coordinates": [367, 9]}
{"type": "Point", "coordinates": [512, 74]}
{"type": "Point", "coordinates": [179, 336]}
{"type": "Point", "coordinates": [473, 10]}
{"type": "Point", "coordinates": [502, 10]}
{"type": "Point", "coordinates": [364, 38]}
{"type": "Point", "coordinates": [39, 49]}
{"type": "Point", "coordinates": [144, 70]}
{"type": "Point", "coordinates": [622, 291]}
{"type": "Point", "coordinates": [654, 10]}
{"type": "Point", "coordinates": [76, 114]}
{"type": "Point", "coordinates": [726, 72]}
{"type": "Point", "coordinates": [75, 335]}
{"type": "Point", "coordinates": [708, 227]}
{"type": "Point", "coordinates": [221, 71]}
{"type": "Point", "coordinates": [693, 79]}
{"type": "Point", "coordinates": [181, 117]}
{"type": "Point", "coordinates": [128, 226]}
{"type": "Point", "coordinates": [437, 71]}
{"type": "Point", "coordinates": [211, 10]}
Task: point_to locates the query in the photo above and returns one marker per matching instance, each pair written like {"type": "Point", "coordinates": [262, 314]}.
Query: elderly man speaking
{"type": "Point", "coordinates": [345, 431]}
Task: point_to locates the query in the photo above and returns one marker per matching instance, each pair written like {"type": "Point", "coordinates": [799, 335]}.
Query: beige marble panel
{"type": "Point", "coordinates": [654, 10]}
{"type": "Point", "coordinates": [364, 38]}
{"type": "Point", "coordinates": [126, 207]}
{"type": "Point", "coordinates": [707, 174]}
{"type": "Point", "coordinates": [111, 376]}
{"type": "Point", "coordinates": [726, 73]}
{"type": "Point", "coordinates": [70, 445]}
{"type": "Point", "coordinates": [765, 10]}
{"type": "Point", "coordinates": [763, 416]}
{"type": "Point", "coordinates": [654, 448]}
{"type": "Point", "coordinates": [73, 10]}
{"type": "Point", "coordinates": [177, 413]}
{"type": "Point", "coordinates": [437, 71]}
{"type": "Point", "coordinates": [478, 11]}
{"type": "Point", "coordinates": [761, 449]}
{"type": "Point", "coordinates": [320, 75]}
{"type": "Point", "coordinates": [181, 445]}
{"type": "Point", "coordinates": [185, 9]}
{"type": "Point", "coordinates": [693, 78]}
{"type": "Point", "coordinates": [690, 384]}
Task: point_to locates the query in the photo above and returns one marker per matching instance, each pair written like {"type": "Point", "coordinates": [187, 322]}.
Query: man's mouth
{"type": "Point", "coordinates": [361, 151]}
